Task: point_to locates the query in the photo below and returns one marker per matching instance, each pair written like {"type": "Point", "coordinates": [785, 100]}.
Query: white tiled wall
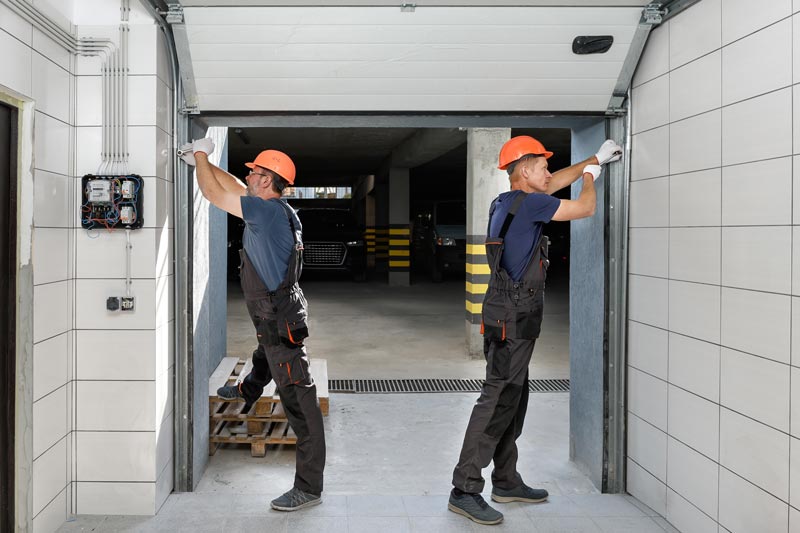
{"type": "Point", "coordinates": [102, 412]}
{"type": "Point", "coordinates": [713, 396]}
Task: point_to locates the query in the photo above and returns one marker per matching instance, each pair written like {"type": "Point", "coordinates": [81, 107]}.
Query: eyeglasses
{"type": "Point", "coordinates": [254, 173]}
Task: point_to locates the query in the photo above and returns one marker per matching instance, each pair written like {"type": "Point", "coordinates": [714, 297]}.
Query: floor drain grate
{"type": "Point", "coordinates": [379, 386]}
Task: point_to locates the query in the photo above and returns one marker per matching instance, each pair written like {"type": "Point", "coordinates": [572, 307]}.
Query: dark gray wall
{"type": "Point", "coordinates": [587, 318]}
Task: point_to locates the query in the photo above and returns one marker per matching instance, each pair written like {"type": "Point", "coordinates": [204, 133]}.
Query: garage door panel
{"type": "Point", "coordinates": [382, 102]}
{"type": "Point", "coordinates": [425, 70]}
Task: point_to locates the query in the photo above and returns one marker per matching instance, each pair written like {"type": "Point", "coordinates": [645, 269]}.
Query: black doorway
{"type": "Point", "coordinates": [8, 283]}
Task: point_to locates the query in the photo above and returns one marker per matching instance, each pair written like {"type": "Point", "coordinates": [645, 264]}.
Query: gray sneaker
{"type": "Point", "coordinates": [294, 500]}
{"type": "Point", "coordinates": [474, 507]}
{"type": "Point", "coordinates": [523, 493]}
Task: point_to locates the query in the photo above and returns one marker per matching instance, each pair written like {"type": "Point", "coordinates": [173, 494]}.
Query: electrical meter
{"type": "Point", "coordinates": [112, 202]}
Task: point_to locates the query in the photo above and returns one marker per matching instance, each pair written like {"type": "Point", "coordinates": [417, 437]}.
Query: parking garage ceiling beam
{"type": "Point", "coordinates": [425, 145]}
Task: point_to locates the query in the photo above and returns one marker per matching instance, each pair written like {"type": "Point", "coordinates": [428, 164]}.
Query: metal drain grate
{"type": "Point", "coordinates": [381, 386]}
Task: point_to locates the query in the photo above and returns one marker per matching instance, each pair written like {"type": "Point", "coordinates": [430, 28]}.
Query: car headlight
{"type": "Point", "coordinates": [446, 241]}
{"type": "Point", "coordinates": [355, 243]}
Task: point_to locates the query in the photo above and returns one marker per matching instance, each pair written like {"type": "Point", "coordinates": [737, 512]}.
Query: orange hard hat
{"type": "Point", "coordinates": [520, 146]}
{"type": "Point", "coordinates": [277, 162]}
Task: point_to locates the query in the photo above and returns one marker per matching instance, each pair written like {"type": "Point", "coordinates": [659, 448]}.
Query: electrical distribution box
{"type": "Point", "coordinates": [112, 202]}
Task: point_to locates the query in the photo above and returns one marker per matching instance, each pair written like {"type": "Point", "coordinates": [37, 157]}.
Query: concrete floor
{"type": "Point", "coordinates": [390, 457]}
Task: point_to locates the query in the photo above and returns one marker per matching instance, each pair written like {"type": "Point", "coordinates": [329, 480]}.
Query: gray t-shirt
{"type": "Point", "coordinates": [267, 238]}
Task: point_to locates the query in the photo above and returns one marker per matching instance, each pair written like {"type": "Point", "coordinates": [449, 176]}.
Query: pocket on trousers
{"type": "Point", "coordinates": [293, 372]}
{"type": "Point", "coordinates": [498, 358]}
{"type": "Point", "coordinates": [493, 321]}
{"type": "Point", "coordinates": [267, 332]}
{"type": "Point", "coordinates": [529, 322]}
{"type": "Point", "coordinates": [293, 319]}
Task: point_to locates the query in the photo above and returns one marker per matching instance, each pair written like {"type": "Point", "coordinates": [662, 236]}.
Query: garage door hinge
{"type": "Point", "coordinates": [408, 7]}
{"type": "Point", "coordinates": [653, 14]}
{"type": "Point", "coordinates": [175, 14]}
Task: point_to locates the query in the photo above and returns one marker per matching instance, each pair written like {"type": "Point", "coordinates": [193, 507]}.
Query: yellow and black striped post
{"type": "Point", "coordinates": [399, 246]}
{"type": "Point", "coordinates": [477, 277]}
{"type": "Point", "coordinates": [381, 248]}
{"type": "Point", "coordinates": [369, 240]}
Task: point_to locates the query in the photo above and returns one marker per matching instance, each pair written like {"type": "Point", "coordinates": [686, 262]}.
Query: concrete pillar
{"type": "Point", "coordinates": [484, 183]}
{"type": "Point", "coordinates": [399, 229]}
{"type": "Point", "coordinates": [382, 221]}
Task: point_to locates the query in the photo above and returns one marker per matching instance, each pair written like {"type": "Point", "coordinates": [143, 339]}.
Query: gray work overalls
{"type": "Point", "coordinates": [511, 321]}
{"type": "Point", "coordinates": [279, 317]}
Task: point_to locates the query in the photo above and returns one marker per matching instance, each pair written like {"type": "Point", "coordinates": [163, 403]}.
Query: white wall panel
{"type": "Point", "coordinates": [655, 57]}
{"type": "Point", "coordinates": [53, 515]}
{"type": "Point", "coordinates": [694, 310]}
{"type": "Point", "coordinates": [687, 517]}
{"type": "Point", "coordinates": [647, 445]}
{"type": "Point", "coordinates": [51, 255]}
{"type": "Point", "coordinates": [649, 205]}
{"type": "Point", "coordinates": [649, 251]}
{"type": "Point", "coordinates": [115, 405]}
{"type": "Point", "coordinates": [647, 398]}
{"type": "Point", "coordinates": [696, 33]}
{"type": "Point", "coordinates": [115, 498]}
{"type": "Point", "coordinates": [15, 69]}
{"type": "Point", "coordinates": [744, 204]}
{"type": "Point", "coordinates": [116, 456]}
{"type": "Point", "coordinates": [755, 387]}
{"type": "Point", "coordinates": [795, 408]}
{"type": "Point", "coordinates": [49, 49]}
{"type": "Point", "coordinates": [757, 322]}
{"type": "Point", "coordinates": [694, 421]}
{"type": "Point", "coordinates": [648, 349]}
{"type": "Point", "coordinates": [745, 507]}
{"type": "Point", "coordinates": [90, 304]}
{"type": "Point", "coordinates": [652, 154]}
{"type": "Point", "coordinates": [647, 488]}
{"type": "Point", "coordinates": [51, 359]}
{"type": "Point", "coordinates": [740, 19]}
{"type": "Point", "coordinates": [51, 86]}
{"type": "Point", "coordinates": [647, 300]}
{"type": "Point", "coordinates": [52, 310]}
{"type": "Point", "coordinates": [49, 476]}
{"type": "Point", "coordinates": [51, 144]}
{"type": "Point", "coordinates": [101, 254]}
{"type": "Point", "coordinates": [693, 476]}
{"type": "Point", "coordinates": [52, 200]}
{"type": "Point", "coordinates": [794, 473]}
{"type": "Point", "coordinates": [649, 103]}
{"type": "Point", "coordinates": [16, 25]}
{"type": "Point", "coordinates": [116, 354]}
{"type": "Point", "coordinates": [769, 247]}
{"type": "Point", "coordinates": [49, 420]}
{"type": "Point", "coordinates": [694, 366]}
{"type": "Point", "coordinates": [685, 99]}
{"type": "Point", "coordinates": [694, 143]}
{"type": "Point", "coordinates": [758, 128]}
{"type": "Point", "coordinates": [759, 63]}
{"type": "Point", "coordinates": [695, 198]}
{"type": "Point", "coordinates": [694, 254]}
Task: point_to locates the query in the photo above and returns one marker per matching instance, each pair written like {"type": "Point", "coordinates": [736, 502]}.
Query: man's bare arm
{"type": "Point", "coordinates": [213, 190]}
{"type": "Point", "coordinates": [584, 206]}
{"type": "Point", "coordinates": [567, 176]}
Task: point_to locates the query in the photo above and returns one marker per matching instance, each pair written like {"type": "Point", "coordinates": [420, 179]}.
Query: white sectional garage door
{"type": "Point", "coordinates": [303, 58]}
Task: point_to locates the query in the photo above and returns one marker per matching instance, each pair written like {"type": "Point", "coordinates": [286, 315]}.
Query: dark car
{"type": "Point", "coordinates": [332, 240]}
{"type": "Point", "coordinates": [440, 238]}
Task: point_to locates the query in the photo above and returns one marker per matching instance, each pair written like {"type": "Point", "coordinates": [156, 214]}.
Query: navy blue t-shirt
{"type": "Point", "coordinates": [525, 230]}
{"type": "Point", "coordinates": [267, 238]}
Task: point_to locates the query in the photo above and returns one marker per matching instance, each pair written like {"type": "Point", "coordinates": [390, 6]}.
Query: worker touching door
{"type": "Point", "coordinates": [516, 251]}
{"type": "Point", "coordinates": [271, 263]}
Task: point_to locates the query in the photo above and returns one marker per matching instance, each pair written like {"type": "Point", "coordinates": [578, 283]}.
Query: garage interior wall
{"type": "Point", "coordinates": [714, 317]}
{"type": "Point", "coordinates": [101, 382]}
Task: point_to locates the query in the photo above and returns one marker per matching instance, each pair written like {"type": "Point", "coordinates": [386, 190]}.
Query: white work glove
{"type": "Point", "coordinates": [594, 170]}
{"type": "Point", "coordinates": [186, 152]}
{"type": "Point", "coordinates": [608, 153]}
{"type": "Point", "coordinates": [205, 145]}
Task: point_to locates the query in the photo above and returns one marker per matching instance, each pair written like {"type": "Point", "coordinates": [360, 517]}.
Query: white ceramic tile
{"type": "Point", "coordinates": [740, 19]}
{"type": "Point", "coordinates": [90, 304]}
{"type": "Point", "coordinates": [51, 88]}
{"type": "Point", "coordinates": [88, 150]}
{"type": "Point", "coordinates": [116, 456]}
{"type": "Point", "coordinates": [164, 300]}
{"type": "Point", "coordinates": [694, 310]}
{"type": "Point", "coordinates": [655, 57]}
{"type": "Point", "coordinates": [49, 475]}
{"type": "Point", "coordinates": [53, 515]}
{"type": "Point", "coordinates": [650, 154]}
{"type": "Point", "coordinates": [796, 188]}
{"type": "Point", "coordinates": [143, 39]}
{"type": "Point", "coordinates": [796, 331]}
{"type": "Point", "coordinates": [52, 310]}
{"type": "Point", "coordinates": [795, 405]}
{"type": "Point", "coordinates": [757, 258]}
{"type": "Point", "coordinates": [116, 405]}
{"type": "Point", "coordinates": [744, 204]}
{"type": "Point", "coordinates": [165, 347]}
{"type": "Point", "coordinates": [684, 98]}
{"type": "Point", "coordinates": [646, 488]}
{"type": "Point", "coordinates": [162, 61]}
{"type": "Point", "coordinates": [143, 146]}
{"type": "Point", "coordinates": [694, 254]}
{"type": "Point", "coordinates": [686, 517]}
{"type": "Point", "coordinates": [51, 257]}
{"type": "Point", "coordinates": [795, 6]}
{"type": "Point", "coordinates": [693, 476]}
{"type": "Point", "coordinates": [163, 155]}
{"type": "Point", "coordinates": [794, 472]}
{"type": "Point", "coordinates": [164, 444]}
{"type": "Point", "coordinates": [745, 507]}
{"type": "Point", "coordinates": [795, 260]}
{"type": "Point", "coordinates": [757, 323]}
{"type": "Point", "coordinates": [794, 520]}
{"type": "Point", "coordinates": [694, 421]}
{"type": "Point", "coordinates": [695, 198]}
{"type": "Point", "coordinates": [142, 108]}
{"type": "Point", "coordinates": [116, 498]}
{"type": "Point", "coordinates": [757, 64]}
{"type": "Point", "coordinates": [164, 252]}
{"type": "Point", "coordinates": [51, 144]}
{"type": "Point", "coordinates": [51, 50]}
{"type": "Point", "coordinates": [647, 300]}
{"type": "Point", "coordinates": [647, 445]}
{"type": "Point", "coordinates": [648, 251]}
{"type": "Point", "coordinates": [50, 364]}
{"type": "Point", "coordinates": [756, 452]}
{"type": "Point", "coordinates": [157, 199]}
{"type": "Point", "coordinates": [164, 395]}
{"type": "Point", "coordinates": [694, 143]}
{"type": "Point", "coordinates": [102, 254]}
{"type": "Point", "coordinates": [52, 200]}
{"type": "Point", "coordinates": [50, 422]}
{"type": "Point", "coordinates": [694, 366]}
{"type": "Point", "coordinates": [164, 486]}
{"type": "Point", "coordinates": [647, 349]}
{"type": "Point", "coordinates": [795, 48]}
{"type": "Point", "coordinates": [758, 128]}
{"type": "Point", "coordinates": [15, 25]}
{"type": "Point", "coordinates": [648, 203]}
{"type": "Point", "coordinates": [695, 32]}
{"type": "Point", "coordinates": [116, 355]}
{"type": "Point", "coordinates": [648, 105]}
{"type": "Point", "coordinates": [647, 398]}
{"type": "Point", "coordinates": [796, 119]}
{"type": "Point", "coordinates": [15, 69]}
{"type": "Point", "coordinates": [89, 101]}
{"type": "Point", "coordinates": [755, 387]}
{"type": "Point", "coordinates": [163, 106]}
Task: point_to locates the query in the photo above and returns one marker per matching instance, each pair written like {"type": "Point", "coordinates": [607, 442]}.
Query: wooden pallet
{"type": "Point", "coordinates": [265, 423]}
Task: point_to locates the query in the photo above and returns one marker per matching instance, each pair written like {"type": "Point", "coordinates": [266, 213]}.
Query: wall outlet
{"type": "Point", "coordinates": [112, 303]}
